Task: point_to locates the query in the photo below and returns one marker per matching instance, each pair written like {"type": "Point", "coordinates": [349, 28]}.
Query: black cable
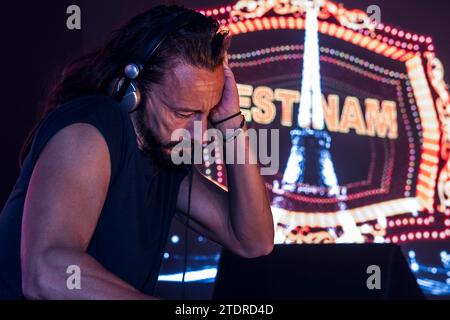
{"type": "Point", "coordinates": [186, 231]}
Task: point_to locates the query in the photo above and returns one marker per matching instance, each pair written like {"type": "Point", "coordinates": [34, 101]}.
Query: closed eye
{"type": "Point", "coordinates": [184, 114]}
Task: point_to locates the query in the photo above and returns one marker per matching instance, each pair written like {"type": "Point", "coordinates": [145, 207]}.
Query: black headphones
{"type": "Point", "coordinates": [124, 88]}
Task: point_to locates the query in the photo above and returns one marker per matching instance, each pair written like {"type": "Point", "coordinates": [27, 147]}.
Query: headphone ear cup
{"type": "Point", "coordinates": [131, 100]}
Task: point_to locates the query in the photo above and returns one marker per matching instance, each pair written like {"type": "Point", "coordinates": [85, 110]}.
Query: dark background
{"type": "Point", "coordinates": [35, 44]}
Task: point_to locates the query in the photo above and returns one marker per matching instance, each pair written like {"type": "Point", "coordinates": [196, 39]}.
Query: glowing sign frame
{"type": "Point", "coordinates": [393, 43]}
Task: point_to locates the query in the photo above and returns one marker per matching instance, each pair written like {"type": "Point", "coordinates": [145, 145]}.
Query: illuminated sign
{"type": "Point", "coordinates": [379, 138]}
{"type": "Point", "coordinates": [379, 118]}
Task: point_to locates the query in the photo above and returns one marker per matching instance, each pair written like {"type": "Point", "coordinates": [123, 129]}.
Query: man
{"type": "Point", "coordinates": [97, 190]}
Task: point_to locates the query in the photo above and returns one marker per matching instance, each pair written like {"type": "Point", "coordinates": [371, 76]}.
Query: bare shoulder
{"type": "Point", "coordinates": [67, 188]}
{"type": "Point", "coordinates": [73, 168]}
{"type": "Point", "coordinates": [78, 147]}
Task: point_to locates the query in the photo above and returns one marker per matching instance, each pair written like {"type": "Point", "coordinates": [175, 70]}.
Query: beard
{"type": "Point", "coordinates": [151, 146]}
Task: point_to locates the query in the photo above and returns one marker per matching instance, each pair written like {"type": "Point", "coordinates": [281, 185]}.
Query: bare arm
{"type": "Point", "coordinates": [62, 206]}
{"type": "Point", "coordinates": [240, 219]}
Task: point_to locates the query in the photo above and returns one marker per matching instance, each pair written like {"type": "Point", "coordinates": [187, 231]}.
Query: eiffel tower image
{"type": "Point", "coordinates": [310, 135]}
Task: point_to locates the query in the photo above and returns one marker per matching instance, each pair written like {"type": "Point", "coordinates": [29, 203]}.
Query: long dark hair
{"type": "Point", "coordinates": [198, 43]}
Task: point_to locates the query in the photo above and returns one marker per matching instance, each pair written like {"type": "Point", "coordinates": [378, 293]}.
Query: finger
{"type": "Point", "coordinates": [230, 85]}
{"type": "Point", "coordinates": [228, 72]}
{"type": "Point", "coordinates": [230, 81]}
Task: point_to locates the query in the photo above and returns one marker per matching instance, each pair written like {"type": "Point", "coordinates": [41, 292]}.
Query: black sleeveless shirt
{"type": "Point", "coordinates": [133, 226]}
